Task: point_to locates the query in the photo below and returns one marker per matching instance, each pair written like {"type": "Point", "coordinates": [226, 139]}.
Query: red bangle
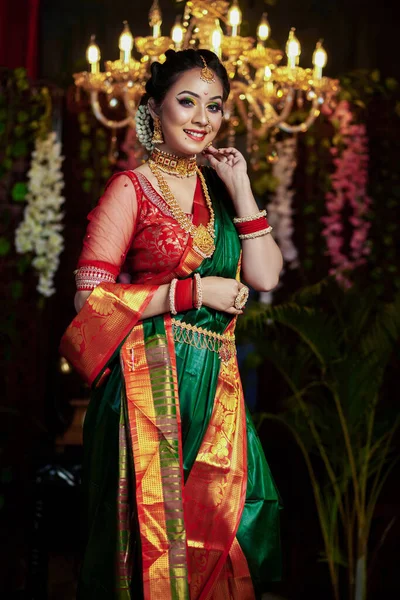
{"type": "Point", "coordinates": [252, 226]}
{"type": "Point", "coordinates": [184, 295]}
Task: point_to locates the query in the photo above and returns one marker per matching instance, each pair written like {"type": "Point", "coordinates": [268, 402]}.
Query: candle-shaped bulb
{"type": "Point", "coordinates": [177, 34]}
{"type": "Point", "coordinates": [93, 55]}
{"type": "Point", "coordinates": [234, 17]}
{"type": "Point", "coordinates": [216, 38]}
{"type": "Point", "coordinates": [319, 59]}
{"type": "Point", "coordinates": [125, 43]}
{"type": "Point", "coordinates": [155, 19]}
{"type": "Point", "coordinates": [293, 49]}
{"type": "Point", "coordinates": [263, 29]}
{"type": "Point", "coordinates": [268, 83]}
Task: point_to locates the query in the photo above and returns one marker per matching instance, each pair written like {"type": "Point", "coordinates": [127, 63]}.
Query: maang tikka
{"type": "Point", "coordinates": [206, 74]}
{"type": "Point", "coordinates": [157, 133]}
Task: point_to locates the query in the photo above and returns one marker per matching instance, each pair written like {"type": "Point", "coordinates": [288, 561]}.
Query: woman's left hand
{"type": "Point", "coordinates": [229, 164]}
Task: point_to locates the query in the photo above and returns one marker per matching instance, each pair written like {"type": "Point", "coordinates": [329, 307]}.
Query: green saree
{"type": "Point", "coordinates": [181, 502]}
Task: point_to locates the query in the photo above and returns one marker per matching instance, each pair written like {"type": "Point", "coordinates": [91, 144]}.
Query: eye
{"type": "Point", "coordinates": [215, 107]}
{"type": "Point", "coordinates": [186, 102]}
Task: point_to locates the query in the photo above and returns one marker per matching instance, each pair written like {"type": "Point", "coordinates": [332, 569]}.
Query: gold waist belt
{"type": "Point", "coordinates": [204, 339]}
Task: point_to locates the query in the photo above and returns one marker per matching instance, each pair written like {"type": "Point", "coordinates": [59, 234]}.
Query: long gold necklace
{"type": "Point", "coordinates": [203, 237]}
{"type": "Point", "coordinates": [180, 166]}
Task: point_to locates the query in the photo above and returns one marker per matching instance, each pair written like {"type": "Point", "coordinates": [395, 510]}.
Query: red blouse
{"type": "Point", "coordinates": [132, 230]}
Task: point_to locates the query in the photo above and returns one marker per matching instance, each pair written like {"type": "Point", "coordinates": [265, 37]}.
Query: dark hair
{"type": "Point", "coordinates": [164, 75]}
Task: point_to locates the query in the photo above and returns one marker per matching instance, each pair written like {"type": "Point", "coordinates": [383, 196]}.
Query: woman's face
{"type": "Point", "coordinates": [191, 113]}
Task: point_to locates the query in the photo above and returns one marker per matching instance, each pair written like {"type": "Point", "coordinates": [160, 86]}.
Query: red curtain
{"type": "Point", "coordinates": [18, 34]}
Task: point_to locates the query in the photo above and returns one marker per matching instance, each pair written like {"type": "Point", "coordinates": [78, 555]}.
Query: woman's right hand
{"type": "Point", "coordinates": [220, 293]}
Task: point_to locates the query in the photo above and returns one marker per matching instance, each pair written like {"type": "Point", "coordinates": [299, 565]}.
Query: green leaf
{"type": "Point", "coordinates": [310, 169]}
{"type": "Point", "coordinates": [20, 73]}
{"type": "Point", "coordinates": [5, 246]}
{"type": "Point", "coordinates": [101, 146]}
{"type": "Point", "coordinates": [307, 264]}
{"type": "Point", "coordinates": [19, 149]}
{"type": "Point", "coordinates": [391, 83]}
{"type": "Point", "coordinates": [360, 103]}
{"type": "Point", "coordinates": [375, 76]}
{"type": "Point", "coordinates": [89, 173]}
{"type": "Point", "coordinates": [16, 290]}
{"type": "Point", "coordinates": [19, 130]}
{"type": "Point", "coordinates": [23, 263]}
{"type": "Point", "coordinates": [86, 145]}
{"type": "Point", "coordinates": [87, 186]}
{"type": "Point", "coordinates": [2, 128]}
{"type": "Point", "coordinates": [7, 164]}
{"type": "Point", "coordinates": [22, 116]}
{"type": "Point", "coordinates": [19, 191]}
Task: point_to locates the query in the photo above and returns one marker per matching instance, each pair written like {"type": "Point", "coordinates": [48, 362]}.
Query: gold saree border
{"type": "Point", "coordinates": [216, 491]}
{"type": "Point", "coordinates": [151, 387]}
{"type": "Point", "coordinates": [105, 319]}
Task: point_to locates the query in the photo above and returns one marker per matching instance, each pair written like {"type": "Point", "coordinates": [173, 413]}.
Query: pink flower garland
{"type": "Point", "coordinates": [349, 182]}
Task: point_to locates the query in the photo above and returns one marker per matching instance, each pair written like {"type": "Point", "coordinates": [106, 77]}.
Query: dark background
{"type": "Point", "coordinates": [40, 520]}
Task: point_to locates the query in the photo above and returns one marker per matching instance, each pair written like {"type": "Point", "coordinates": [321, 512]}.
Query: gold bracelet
{"type": "Point", "coordinates": [262, 213]}
{"type": "Point", "coordinates": [256, 234]}
{"type": "Point", "coordinates": [171, 295]}
{"type": "Point", "coordinates": [199, 291]}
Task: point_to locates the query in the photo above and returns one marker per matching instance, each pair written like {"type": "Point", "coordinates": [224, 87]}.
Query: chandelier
{"type": "Point", "coordinates": [264, 92]}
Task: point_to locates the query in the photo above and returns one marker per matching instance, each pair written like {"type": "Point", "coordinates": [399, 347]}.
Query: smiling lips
{"type": "Point", "coordinates": [195, 135]}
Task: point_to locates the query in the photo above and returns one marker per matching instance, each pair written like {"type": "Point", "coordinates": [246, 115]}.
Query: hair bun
{"type": "Point", "coordinates": [170, 54]}
{"type": "Point", "coordinates": [155, 69]}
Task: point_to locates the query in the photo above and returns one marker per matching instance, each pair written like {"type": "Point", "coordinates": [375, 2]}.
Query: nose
{"type": "Point", "coordinates": [201, 117]}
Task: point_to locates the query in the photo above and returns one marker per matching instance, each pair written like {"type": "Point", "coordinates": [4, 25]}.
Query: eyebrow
{"type": "Point", "coordinates": [197, 95]}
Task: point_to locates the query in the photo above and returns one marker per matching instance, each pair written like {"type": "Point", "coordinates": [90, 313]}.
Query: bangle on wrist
{"type": "Point", "coordinates": [255, 234]}
{"type": "Point", "coordinates": [197, 292]}
{"type": "Point", "coordinates": [171, 295]}
{"type": "Point", "coordinates": [184, 295]}
{"type": "Point", "coordinates": [247, 218]}
{"type": "Point", "coordinates": [254, 227]}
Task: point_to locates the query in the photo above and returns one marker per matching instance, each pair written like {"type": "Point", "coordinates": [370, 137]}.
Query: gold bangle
{"type": "Point", "coordinates": [171, 294]}
{"type": "Point", "coordinates": [199, 291]}
{"type": "Point", "coordinates": [256, 234]}
{"type": "Point", "coordinates": [262, 213]}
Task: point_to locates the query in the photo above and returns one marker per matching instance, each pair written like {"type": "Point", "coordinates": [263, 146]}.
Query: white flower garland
{"type": "Point", "coordinates": [280, 209]}
{"type": "Point", "coordinates": [143, 130]}
{"type": "Point", "coordinates": [39, 230]}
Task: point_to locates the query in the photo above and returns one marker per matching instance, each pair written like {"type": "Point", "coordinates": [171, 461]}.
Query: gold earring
{"type": "Point", "coordinates": [157, 133]}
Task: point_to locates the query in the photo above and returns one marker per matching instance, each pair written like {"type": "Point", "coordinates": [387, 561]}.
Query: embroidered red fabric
{"type": "Point", "coordinates": [132, 230]}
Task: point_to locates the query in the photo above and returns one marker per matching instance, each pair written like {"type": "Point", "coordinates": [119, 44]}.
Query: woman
{"type": "Point", "coordinates": [181, 501]}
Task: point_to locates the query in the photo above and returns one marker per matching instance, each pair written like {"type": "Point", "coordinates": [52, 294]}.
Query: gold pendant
{"type": "Point", "coordinates": [203, 241]}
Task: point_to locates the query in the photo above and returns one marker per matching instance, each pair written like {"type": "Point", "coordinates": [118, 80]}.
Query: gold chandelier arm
{"type": "Point", "coordinates": [95, 104]}
{"type": "Point", "coordinates": [286, 110]}
{"type": "Point", "coordinates": [130, 106]}
{"type": "Point", "coordinates": [313, 114]}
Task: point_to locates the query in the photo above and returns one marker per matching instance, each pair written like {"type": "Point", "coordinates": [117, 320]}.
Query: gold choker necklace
{"type": "Point", "coordinates": [180, 166]}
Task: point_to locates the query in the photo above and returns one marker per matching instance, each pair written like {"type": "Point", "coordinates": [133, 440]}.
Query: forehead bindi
{"type": "Point", "coordinates": [190, 80]}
